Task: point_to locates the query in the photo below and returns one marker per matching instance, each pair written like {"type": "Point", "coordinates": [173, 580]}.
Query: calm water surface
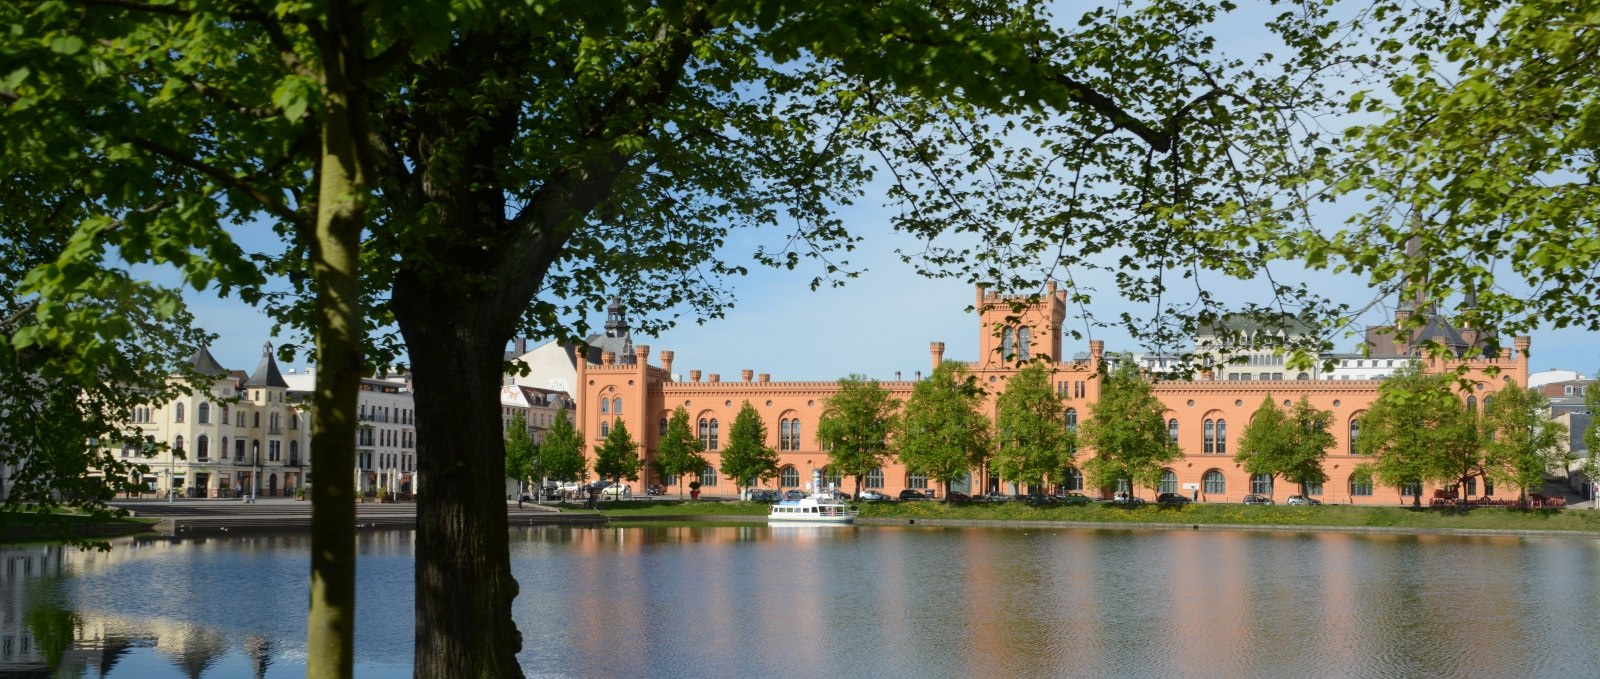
{"type": "Point", "coordinates": [884, 602]}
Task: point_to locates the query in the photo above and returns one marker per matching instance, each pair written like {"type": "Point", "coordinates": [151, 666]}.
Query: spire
{"type": "Point", "coordinates": [266, 374]}
{"type": "Point", "coordinates": [206, 364]}
{"type": "Point", "coordinates": [616, 322]}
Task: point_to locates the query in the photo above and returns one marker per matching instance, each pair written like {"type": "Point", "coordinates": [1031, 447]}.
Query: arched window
{"type": "Point", "coordinates": [294, 421]}
{"type": "Point", "coordinates": [875, 478]}
{"type": "Point", "coordinates": [605, 429]}
{"type": "Point", "coordinates": [915, 480]}
{"type": "Point", "coordinates": [1211, 436]}
{"type": "Point", "coordinates": [663, 426]}
{"type": "Point", "coordinates": [203, 413]}
{"type": "Point", "coordinates": [713, 444]}
{"type": "Point", "coordinates": [1313, 489]}
{"type": "Point", "coordinates": [1074, 479]}
{"type": "Point", "coordinates": [1222, 437]}
{"type": "Point", "coordinates": [605, 406]}
{"type": "Point", "coordinates": [1169, 482]}
{"type": "Point", "coordinates": [239, 420]}
{"type": "Point", "coordinates": [831, 476]}
{"type": "Point", "coordinates": [1355, 431]}
{"type": "Point", "coordinates": [202, 447]}
{"type": "Point", "coordinates": [177, 443]}
{"type": "Point", "coordinates": [257, 420]}
{"type": "Point", "coordinates": [1072, 419]}
{"type": "Point", "coordinates": [794, 434]}
{"type": "Point", "coordinates": [294, 452]}
{"type": "Point", "coordinates": [1490, 399]}
{"type": "Point", "coordinates": [1024, 346]}
{"type": "Point", "coordinates": [1261, 484]}
{"type": "Point", "coordinates": [708, 476]}
{"type": "Point", "coordinates": [783, 434]}
{"type": "Point", "coordinates": [1172, 431]}
{"type": "Point", "coordinates": [222, 450]}
{"type": "Point", "coordinates": [616, 406]}
{"type": "Point", "coordinates": [1472, 404]}
{"type": "Point", "coordinates": [1360, 488]}
{"type": "Point", "coordinates": [177, 412]}
{"type": "Point", "coordinates": [1007, 344]}
{"type": "Point", "coordinates": [789, 477]}
{"type": "Point", "coordinates": [1215, 483]}
{"type": "Point", "coordinates": [705, 433]}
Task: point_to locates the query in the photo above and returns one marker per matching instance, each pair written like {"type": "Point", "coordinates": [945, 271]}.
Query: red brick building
{"type": "Point", "coordinates": [1205, 416]}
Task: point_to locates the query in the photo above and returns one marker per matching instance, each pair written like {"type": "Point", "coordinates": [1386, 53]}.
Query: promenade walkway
{"type": "Point", "coordinates": [219, 516]}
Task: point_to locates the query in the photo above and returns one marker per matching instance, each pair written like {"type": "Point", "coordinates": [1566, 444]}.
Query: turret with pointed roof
{"type": "Point", "coordinates": [206, 364]}
{"type": "Point", "coordinates": [267, 374]}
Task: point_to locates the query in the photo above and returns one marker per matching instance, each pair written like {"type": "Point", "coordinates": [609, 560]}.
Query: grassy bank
{"type": "Point", "coordinates": [1272, 515]}
{"type": "Point", "coordinates": [1208, 514]}
{"type": "Point", "coordinates": [27, 526]}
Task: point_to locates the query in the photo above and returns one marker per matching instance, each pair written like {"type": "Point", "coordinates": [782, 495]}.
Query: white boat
{"type": "Point", "coordinates": [813, 510]}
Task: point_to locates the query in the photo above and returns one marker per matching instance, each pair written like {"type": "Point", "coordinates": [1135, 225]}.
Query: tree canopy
{"type": "Point", "coordinates": [747, 458]}
{"type": "Point", "coordinates": [1292, 445]}
{"type": "Point", "coordinates": [678, 451]}
{"type": "Point", "coordinates": [1418, 430]}
{"type": "Point", "coordinates": [1127, 431]}
{"type": "Point", "coordinates": [1521, 443]}
{"type": "Point", "coordinates": [855, 426]}
{"type": "Point", "coordinates": [617, 458]}
{"type": "Point", "coordinates": [1032, 439]}
{"type": "Point", "coordinates": [942, 433]}
{"type": "Point", "coordinates": [522, 457]}
{"type": "Point", "coordinates": [561, 453]}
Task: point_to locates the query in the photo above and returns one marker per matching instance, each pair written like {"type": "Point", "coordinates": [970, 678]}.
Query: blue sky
{"type": "Point", "coordinates": [875, 325]}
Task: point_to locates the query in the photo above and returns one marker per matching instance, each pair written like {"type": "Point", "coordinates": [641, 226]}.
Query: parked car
{"type": "Point", "coordinates": [874, 496]}
{"type": "Point", "coordinates": [764, 495]}
{"type": "Point", "coordinates": [1176, 499]}
{"type": "Point", "coordinates": [910, 494]}
{"type": "Point", "coordinates": [1123, 497]}
{"type": "Point", "coordinates": [1302, 500]}
{"type": "Point", "coordinates": [1257, 500]}
{"type": "Point", "coordinates": [617, 492]}
{"type": "Point", "coordinates": [795, 494]}
{"type": "Point", "coordinates": [1075, 499]}
{"type": "Point", "coordinates": [834, 494]}
{"type": "Point", "coordinates": [1040, 499]}
{"type": "Point", "coordinates": [958, 496]}
{"type": "Point", "coordinates": [655, 489]}
{"type": "Point", "coordinates": [997, 496]}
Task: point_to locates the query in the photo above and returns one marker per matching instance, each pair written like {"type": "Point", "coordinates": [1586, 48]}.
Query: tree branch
{"type": "Point", "coordinates": [270, 203]}
{"type": "Point", "coordinates": [1103, 105]}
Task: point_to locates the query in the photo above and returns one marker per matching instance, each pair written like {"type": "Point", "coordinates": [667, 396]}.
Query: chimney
{"type": "Point", "coordinates": [666, 363]}
{"type": "Point", "coordinates": [897, 376]}
{"type": "Point", "coordinates": [764, 377]}
{"type": "Point", "coordinates": [919, 375]}
{"type": "Point", "coordinates": [694, 376]}
{"type": "Point", "coordinates": [746, 374]}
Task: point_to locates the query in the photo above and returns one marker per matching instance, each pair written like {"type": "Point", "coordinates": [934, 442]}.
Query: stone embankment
{"type": "Point", "coordinates": [203, 517]}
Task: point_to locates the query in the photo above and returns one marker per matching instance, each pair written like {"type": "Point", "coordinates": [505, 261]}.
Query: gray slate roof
{"type": "Point", "coordinates": [267, 374]}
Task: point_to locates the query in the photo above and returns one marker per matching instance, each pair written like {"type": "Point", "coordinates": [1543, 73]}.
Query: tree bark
{"type": "Point", "coordinates": [335, 257]}
{"type": "Point", "coordinates": [463, 574]}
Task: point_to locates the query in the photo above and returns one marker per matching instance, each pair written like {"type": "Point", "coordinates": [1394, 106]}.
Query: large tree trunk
{"type": "Point", "coordinates": [463, 574]}
{"type": "Point", "coordinates": [335, 257]}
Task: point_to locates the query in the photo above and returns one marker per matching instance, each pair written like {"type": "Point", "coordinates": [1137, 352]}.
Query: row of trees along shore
{"type": "Point", "coordinates": [1419, 431]}
{"type": "Point", "coordinates": [442, 176]}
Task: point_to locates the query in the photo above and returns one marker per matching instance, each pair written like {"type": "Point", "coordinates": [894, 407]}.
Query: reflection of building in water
{"type": "Point", "coordinates": [40, 637]}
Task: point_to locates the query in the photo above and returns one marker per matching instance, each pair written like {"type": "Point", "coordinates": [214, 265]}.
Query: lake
{"type": "Point", "coordinates": [668, 601]}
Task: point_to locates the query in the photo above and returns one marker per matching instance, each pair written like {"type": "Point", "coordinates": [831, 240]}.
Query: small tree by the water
{"type": "Point", "coordinates": [941, 434]}
{"type": "Point", "coordinates": [561, 455]}
{"type": "Point", "coordinates": [522, 456]}
{"type": "Point", "coordinates": [617, 458]}
{"type": "Point", "coordinates": [855, 426]}
{"type": "Point", "coordinates": [747, 457]}
{"type": "Point", "coordinates": [1291, 445]}
{"type": "Point", "coordinates": [1030, 429]}
{"type": "Point", "coordinates": [1127, 431]}
{"type": "Point", "coordinates": [1521, 445]}
{"type": "Point", "coordinates": [678, 454]}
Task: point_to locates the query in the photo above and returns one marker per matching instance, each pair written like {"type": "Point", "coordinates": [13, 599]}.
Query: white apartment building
{"type": "Point", "coordinates": [239, 436]}
{"type": "Point", "coordinates": [539, 408]}
{"type": "Point", "coordinates": [386, 434]}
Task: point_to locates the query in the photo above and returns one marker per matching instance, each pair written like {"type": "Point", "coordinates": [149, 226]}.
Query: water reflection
{"type": "Point", "coordinates": [890, 602]}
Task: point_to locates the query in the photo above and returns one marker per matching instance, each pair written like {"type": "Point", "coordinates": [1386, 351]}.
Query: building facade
{"type": "Point", "coordinates": [238, 436]}
{"type": "Point", "coordinates": [1205, 416]}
